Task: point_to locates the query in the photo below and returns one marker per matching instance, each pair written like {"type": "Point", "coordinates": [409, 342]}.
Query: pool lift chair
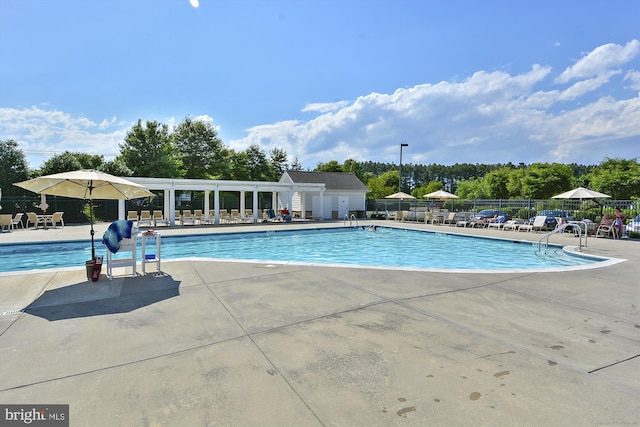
{"type": "Point", "coordinates": [126, 245]}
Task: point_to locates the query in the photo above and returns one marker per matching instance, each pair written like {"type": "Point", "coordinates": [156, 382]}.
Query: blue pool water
{"type": "Point", "coordinates": [387, 247]}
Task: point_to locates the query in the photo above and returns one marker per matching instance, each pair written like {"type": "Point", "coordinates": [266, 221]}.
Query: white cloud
{"type": "Point", "coordinates": [599, 60]}
{"type": "Point", "coordinates": [324, 107]}
{"type": "Point", "coordinates": [489, 117]}
{"type": "Point", "coordinates": [585, 86]}
{"type": "Point", "coordinates": [43, 133]}
{"type": "Point", "coordinates": [634, 77]}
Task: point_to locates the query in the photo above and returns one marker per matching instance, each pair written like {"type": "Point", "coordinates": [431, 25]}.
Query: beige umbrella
{"type": "Point", "coordinates": [441, 195]}
{"type": "Point", "coordinates": [581, 193]}
{"type": "Point", "coordinates": [86, 184]}
{"type": "Point", "coordinates": [401, 195]}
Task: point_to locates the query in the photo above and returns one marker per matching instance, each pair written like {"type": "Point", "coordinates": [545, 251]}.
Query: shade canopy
{"type": "Point", "coordinates": [581, 193]}
{"type": "Point", "coordinates": [440, 194]}
{"type": "Point", "coordinates": [86, 184]}
{"type": "Point", "coordinates": [400, 195]}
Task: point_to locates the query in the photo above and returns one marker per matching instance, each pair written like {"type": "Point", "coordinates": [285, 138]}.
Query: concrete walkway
{"type": "Point", "coordinates": [250, 344]}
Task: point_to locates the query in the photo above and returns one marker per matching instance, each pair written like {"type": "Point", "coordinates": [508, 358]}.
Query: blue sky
{"type": "Point", "coordinates": [459, 81]}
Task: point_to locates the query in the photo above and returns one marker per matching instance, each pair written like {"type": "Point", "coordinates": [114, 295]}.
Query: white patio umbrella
{"type": "Point", "coordinates": [441, 195]}
{"type": "Point", "coordinates": [581, 193]}
{"type": "Point", "coordinates": [400, 196]}
{"type": "Point", "coordinates": [86, 184]}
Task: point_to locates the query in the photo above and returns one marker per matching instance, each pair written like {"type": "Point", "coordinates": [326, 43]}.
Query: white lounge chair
{"type": "Point", "coordinates": [56, 218]}
{"type": "Point", "coordinates": [145, 219]}
{"type": "Point", "coordinates": [540, 223]}
{"type": "Point", "coordinates": [198, 216]}
{"type": "Point", "coordinates": [17, 221]}
{"type": "Point", "coordinates": [5, 222]}
{"type": "Point", "coordinates": [159, 219]}
{"type": "Point", "coordinates": [187, 218]}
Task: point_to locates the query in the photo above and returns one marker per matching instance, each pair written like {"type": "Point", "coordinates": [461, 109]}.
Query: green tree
{"type": "Point", "coordinates": [200, 151]}
{"type": "Point", "coordinates": [296, 164]}
{"type": "Point", "coordinates": [257, 163]}
{"type": "Point", "coordinates": [432, 186]}
{"type": "Point", "coordinates": [58, 163]}
{"type": "Point", "coordinates": [354, 167]}
{"type": "Point", "coordinates": [497, 183]}
{"type": "Point", "coordinates": [619, 178]}
{"type": "Point", "coordinates": [115, 167]}
{"type": "Point", "coordinates": [544, 180]}
{"type": "Point", "coordinates": [277, 163]}
{"type": "Point", "coordinates": [239, 166]}
{"type": "Point", "coordinates": [13, 168]}
{"type": "Point", "coordinates": [475, 188]}
{"type": "Point", "coordinates": [149, 151]}
{"type": "Point", "coordinates": [330, 166]}
{"type": "Point", "coordinates": [383, 185]}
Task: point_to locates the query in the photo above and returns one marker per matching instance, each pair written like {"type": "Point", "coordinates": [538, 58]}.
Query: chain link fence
{"type": "Point", "coordinates": [518, 208]}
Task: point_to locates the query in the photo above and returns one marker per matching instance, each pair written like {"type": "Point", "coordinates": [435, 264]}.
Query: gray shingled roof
{"type": "Point", "coordinates": [331, 180]}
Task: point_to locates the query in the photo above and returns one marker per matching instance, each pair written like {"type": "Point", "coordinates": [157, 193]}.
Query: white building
{"type": "Point", "coordinates": [344, 194]}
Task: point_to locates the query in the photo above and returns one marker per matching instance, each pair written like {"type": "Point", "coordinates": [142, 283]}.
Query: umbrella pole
{"type": "Point", "coordinates": [93, 248]}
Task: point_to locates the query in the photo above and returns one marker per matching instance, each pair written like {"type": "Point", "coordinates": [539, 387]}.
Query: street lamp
{"type": "Point", "coordinates": [400, 171]}
{"type": "Point", "coordinates": [521, 181]}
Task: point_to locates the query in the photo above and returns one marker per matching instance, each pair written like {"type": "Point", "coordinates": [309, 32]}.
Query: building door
{"type": "Point", "coordinates": [343, 206]}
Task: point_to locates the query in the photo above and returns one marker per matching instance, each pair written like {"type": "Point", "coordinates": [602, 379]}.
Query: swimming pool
{"type": "Point", "coordinates": [385, 248]}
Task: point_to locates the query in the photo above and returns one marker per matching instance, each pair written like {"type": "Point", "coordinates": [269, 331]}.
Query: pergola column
{"type": "Point", "coordinates": [255, 205]}
{"type": "Point", "coordinates": [216, 205]}
{"type": "Point", "coordinates": [206, 204]}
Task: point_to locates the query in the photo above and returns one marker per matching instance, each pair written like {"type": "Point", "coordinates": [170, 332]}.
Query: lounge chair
{"type": "Point", "coordinates": [56, 218]}
{"type": "Point", "coordinates": [235, 216]}
{"type": "Point", "coordinates": [197, 216]}
{"type": "Point", "coordinates": [187, 218]}
{"type": "Point", "coordinates": [428, 218]}
{"type": "Point", "coordinates": [17, 221]}
{"type": "Point", "coordinates": [145, 219]}
{"type": "Point", "coordinates": [5, 222]}
{"type": "Point", "coordinates": [178, 216]}
{"type": "Point", "coordinates": [272, 217]}
{"type": "Point", "coordinates": [33, 218]}
{"type": "Point", "coordinates": [512, 225]}
{"type": "Point", "coordinates": [498, 223]}
{"type": "Point", "coordinates": [540, 223]}
{"type": "Point", "coordinates": [248, 215]}
{"type": "Point", "coordinates": [159, 219]}
{"type": "Point", "coordinates": [132, 216]}
{"type": "Point", "coordinates": [451, 219]}
{"type": "Point", "coordinates": [224, 216]}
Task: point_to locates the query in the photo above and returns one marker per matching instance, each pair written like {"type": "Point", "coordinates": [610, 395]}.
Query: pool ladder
{"type": "Point", "coordinates": [560, 229]}
{"type": "Point", "coordinates": [352, 219]}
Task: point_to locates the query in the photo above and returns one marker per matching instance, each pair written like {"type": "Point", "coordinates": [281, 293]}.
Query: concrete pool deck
{"type": "Point", "coordinates": [229, 343]}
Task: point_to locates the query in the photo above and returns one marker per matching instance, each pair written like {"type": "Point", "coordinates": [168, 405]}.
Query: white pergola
{"type": "Point", "coordinates": [283, 191]}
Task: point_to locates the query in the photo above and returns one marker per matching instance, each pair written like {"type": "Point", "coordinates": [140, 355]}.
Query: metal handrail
{"type": "Point", "coordinates": [562, 228]}
{"type": "Point", "coordinates": [350, 219]}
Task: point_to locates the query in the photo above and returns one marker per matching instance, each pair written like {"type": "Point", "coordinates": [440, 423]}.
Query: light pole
{"type": "Point", "coordinates": [521, 181]}
{"type": "Point", "coordinates": [400, 171]}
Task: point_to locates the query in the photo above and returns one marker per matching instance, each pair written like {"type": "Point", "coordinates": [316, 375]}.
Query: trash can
{"type": "Point", "coordinates": [89, 266]}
